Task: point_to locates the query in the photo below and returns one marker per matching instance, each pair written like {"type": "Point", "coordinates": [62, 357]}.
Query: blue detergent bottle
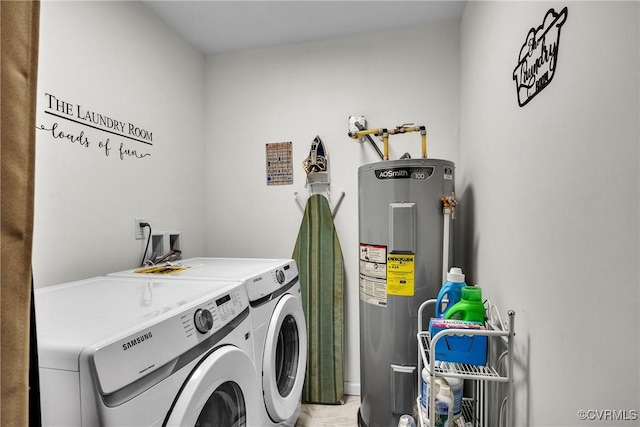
{"type": "Point", "coordinates": [451, 291]}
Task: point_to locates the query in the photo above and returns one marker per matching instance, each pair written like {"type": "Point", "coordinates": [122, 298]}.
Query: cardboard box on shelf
{"type": "Point", "coordinates": [468, 349]}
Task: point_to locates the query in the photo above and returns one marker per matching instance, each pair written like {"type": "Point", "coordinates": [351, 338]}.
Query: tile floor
{"type": "Point", "coordinates": [330, 415]}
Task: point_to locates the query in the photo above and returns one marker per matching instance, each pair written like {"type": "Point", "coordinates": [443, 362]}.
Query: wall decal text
{"type": "Point", "coordinates": [78, 114]}
{"type": "Point", "coordinates": [538, 57]}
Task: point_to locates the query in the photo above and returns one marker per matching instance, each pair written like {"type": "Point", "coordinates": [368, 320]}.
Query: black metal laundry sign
{"type": "Point", "coordinates": [65, 113]}
{"type": "Point", "coordinates": [539, 56]}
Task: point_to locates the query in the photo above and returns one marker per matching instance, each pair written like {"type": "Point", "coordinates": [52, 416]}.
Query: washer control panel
{"type": "Point", "coordinates": [215, 313]}
{"type": "Point", "coordinates": [203, 319]}
{"type": "Point", "coordinates": [172, 331]}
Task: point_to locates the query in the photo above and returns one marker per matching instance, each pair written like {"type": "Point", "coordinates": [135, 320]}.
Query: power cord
{"type": "Point", "coordinates": [142, 225]}
{"type": "Point", "coordinates": [172, 255]}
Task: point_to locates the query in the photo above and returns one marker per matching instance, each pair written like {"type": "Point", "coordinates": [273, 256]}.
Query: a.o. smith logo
{"type": "Point", "coordinates": [404, 173]}
{"type": "Point", "coordinates": [137, 340]}
{"type": "Point", "coordinates": [539, 57]}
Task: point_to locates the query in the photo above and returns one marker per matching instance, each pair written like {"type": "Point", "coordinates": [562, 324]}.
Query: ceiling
{"type": "Point", "coordinates": [217, 26]}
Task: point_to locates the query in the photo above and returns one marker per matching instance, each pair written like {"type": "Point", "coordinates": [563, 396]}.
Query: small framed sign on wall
{"type": "Point", "coordinates": [279, 164]}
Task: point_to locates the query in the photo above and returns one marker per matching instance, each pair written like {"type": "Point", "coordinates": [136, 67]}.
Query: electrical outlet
{"type": "Point", "coordinates": [139, 231]}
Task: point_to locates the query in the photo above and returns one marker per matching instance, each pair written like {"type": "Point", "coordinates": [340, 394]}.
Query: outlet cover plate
{"type": "Point", "coordinates": [139, 231]}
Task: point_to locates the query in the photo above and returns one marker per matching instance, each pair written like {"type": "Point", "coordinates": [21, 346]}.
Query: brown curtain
{"type": "Point", "coordinates": [19, 34]}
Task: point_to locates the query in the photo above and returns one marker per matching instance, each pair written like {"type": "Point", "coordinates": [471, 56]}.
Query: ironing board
{"type": "Point", "coordinates": [321, 270]}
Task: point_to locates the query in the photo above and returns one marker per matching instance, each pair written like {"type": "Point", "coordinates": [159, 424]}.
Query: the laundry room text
{"type": "Point", "coordinates": [90, 121]}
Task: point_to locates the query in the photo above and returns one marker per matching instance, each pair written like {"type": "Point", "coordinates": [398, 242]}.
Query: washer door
{"type": "Point", "coordinates": [220, 392]}
{"type": "Point", "coordinates": [285, 359]}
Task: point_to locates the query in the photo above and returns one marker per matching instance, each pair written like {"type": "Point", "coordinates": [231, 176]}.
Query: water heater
{"type": "Point", "coordinates": [401, 228]}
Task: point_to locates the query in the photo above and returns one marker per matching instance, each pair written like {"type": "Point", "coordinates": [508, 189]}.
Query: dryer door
{"type": "Point", "coordinates": [285, 359]}
{"type": "Point", "coordinates": [221, 391]}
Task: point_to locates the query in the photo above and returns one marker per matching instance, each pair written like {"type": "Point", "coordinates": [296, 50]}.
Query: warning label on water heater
{"type": "Point", "coordinates": [383, 274]}
{"type": "Point", "coordinates": [373, 274]}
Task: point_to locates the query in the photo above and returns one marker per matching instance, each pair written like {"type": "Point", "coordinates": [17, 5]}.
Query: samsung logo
{"type": "Point", "coordinates": [126, 346]}
{"type": "Point", "coordinates": [257, 279]}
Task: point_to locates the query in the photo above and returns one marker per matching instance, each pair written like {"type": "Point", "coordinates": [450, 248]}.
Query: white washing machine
{"type": "Point", "coordinates": [123, 352]}
{"type": "Point", "coordinates": [279, 327]}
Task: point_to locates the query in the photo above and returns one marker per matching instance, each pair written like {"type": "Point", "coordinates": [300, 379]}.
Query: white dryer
{"type": "Point", "coordinates": [117, 351]}
{"type": "Point", "coordinates": [279, 327]}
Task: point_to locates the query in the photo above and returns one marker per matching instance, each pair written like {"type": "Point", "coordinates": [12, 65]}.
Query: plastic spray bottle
{"type": "Point", "coordinates": [457, 387]}
{"type": "Point", "coordinates": [425, 392]}
{"type": "Point", "coordinates": [406, 421]}
{"type": "Point", "coordinates": [444, 407]}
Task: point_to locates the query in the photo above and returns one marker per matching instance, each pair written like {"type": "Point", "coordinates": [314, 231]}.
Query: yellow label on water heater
{"type": "Point", "coordinates": [400, 274]}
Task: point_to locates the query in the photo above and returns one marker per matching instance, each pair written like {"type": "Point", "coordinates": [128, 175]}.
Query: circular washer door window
{"type": "Point", "coordinates": [223, 390]}
{"type": "Point", "coordinates": [225, 408]}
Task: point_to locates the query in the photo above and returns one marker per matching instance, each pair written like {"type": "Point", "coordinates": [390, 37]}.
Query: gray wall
{"type": "Point", "coordinates": [550, 203]}
{"type": "Point", "coordinates": [293, 93]}
{"type": "Point", "coordinates": [118, 60]}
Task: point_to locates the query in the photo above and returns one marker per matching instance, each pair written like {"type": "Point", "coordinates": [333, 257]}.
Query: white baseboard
{"type": "Point", "coordinates": [352, 389]}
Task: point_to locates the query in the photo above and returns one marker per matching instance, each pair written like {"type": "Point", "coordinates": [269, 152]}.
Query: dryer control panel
{"type": "Point", "coordinates": [271, 281]}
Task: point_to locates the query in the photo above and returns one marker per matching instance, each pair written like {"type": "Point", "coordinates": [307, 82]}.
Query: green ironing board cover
{"type": "Point", "coordinates": [321, 271]}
